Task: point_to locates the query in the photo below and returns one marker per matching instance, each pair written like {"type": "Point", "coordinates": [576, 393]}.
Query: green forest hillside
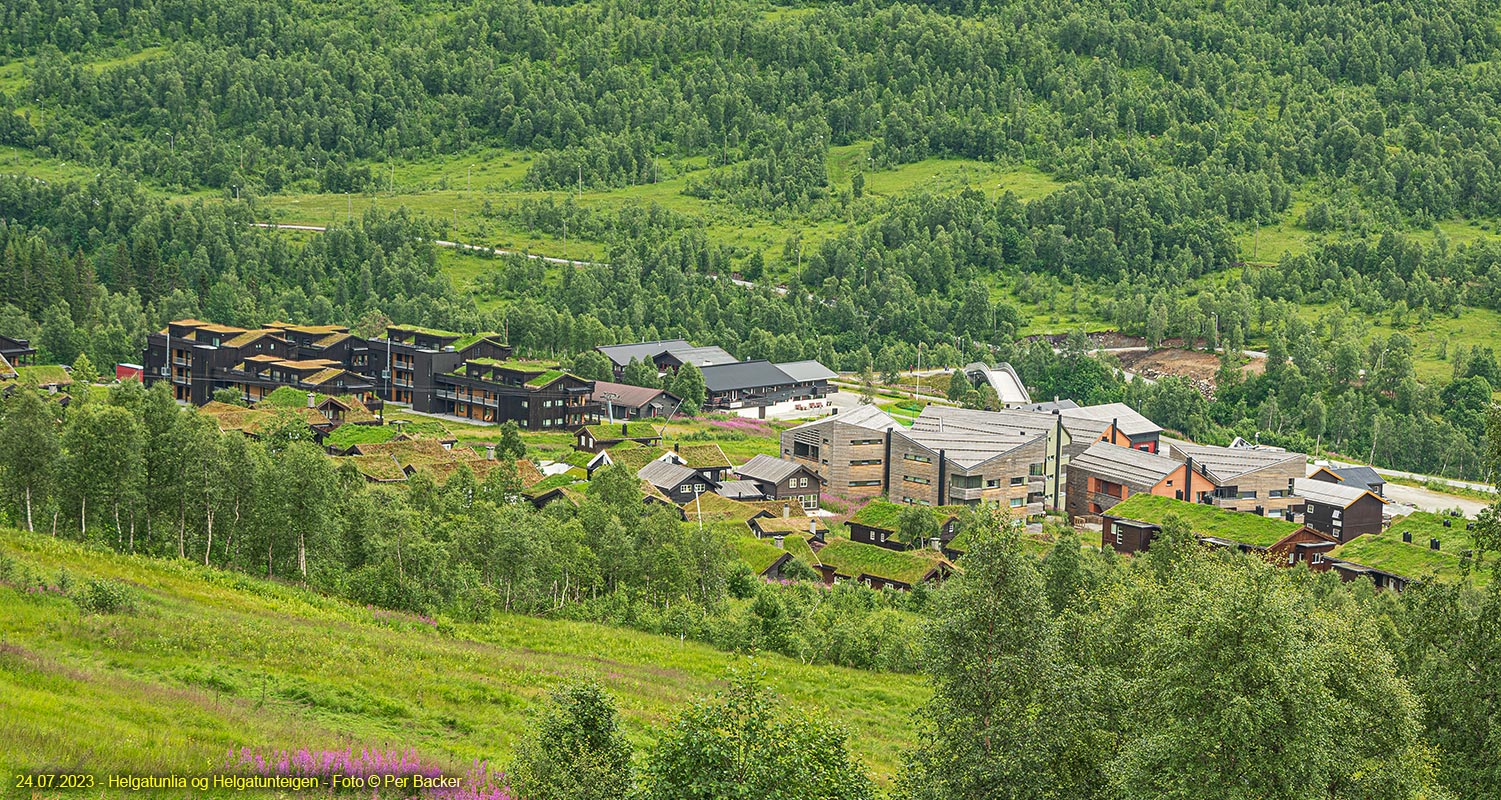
{"type": "Point", "coordinates": [206, 661]}
{"type": "Point", "coordinates": [1319, 182]}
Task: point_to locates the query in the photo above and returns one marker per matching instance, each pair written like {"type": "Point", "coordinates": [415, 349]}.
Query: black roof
{"type": "Point", "coordinates": [1359, 477]}
{"type": "Point", "coordinates": [744, 375]}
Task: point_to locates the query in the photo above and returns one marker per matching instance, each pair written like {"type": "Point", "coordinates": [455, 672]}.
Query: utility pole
{"type": "Point", "coordinates": [350, 201]}
{"type": "Point", "coordinates": [565, 238]}
{"type": "Point", "coordinates": [918, 394]}
{"type": "Point", "coordinates": [580, 194]}
{"type": "Point", "coordinates": [469, 179]}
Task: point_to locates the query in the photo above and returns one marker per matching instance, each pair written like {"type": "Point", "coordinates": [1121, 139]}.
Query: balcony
{"type": "Point", "coordinates": [958, 493]}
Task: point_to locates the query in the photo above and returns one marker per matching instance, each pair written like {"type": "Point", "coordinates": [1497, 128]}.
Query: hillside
{"type": "Point", "coordinates": [213, 660]}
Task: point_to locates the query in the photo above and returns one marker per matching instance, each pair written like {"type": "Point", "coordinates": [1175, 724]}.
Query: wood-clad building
{"type": "Point", "coordinates": [847, 451]}
{"type": "Point", "coordinates": [1105, 474]}
{"type": "Point", "coordinates": [1343, 512]}
{"type": "Point", "coordinates": [781, 479]}
{"type": "Point", "coordinates": [1131, 525]}
{"type": "Point", "coordinates": [1258, 480]}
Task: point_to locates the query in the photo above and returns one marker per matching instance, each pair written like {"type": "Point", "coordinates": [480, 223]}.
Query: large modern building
{"type": "Point", "coordinates": [730, 383]}
{"type": "Point", "coordinates": [1105, 474]}
{"type": "Point", "coordinates": [667, 355]}
{"type": "Point", "coordinates": [1254, 479]}
{"type": "Point", "coordinates": [848, 451]}
{"type": "Point", "coordinates": [199, 358]}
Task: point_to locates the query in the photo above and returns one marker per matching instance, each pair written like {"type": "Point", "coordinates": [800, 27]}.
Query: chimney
{"type": "Point", "coordinates": [623, 430]}
{"type": "Point", "coordinates": [937, 543]}
{"type": "Point", "coordinates": [1446, 523]}
{"type": "Point", "coordinates": [786, 510]}
{"type": "Point", "coordinates": [777, 540]}
{"type": "Point", "coordinates": [312, 400]}
{"type": "Point", "coordinates": [1407, 536]}
{"type": "Point", "coordinates": [489, 452]}
{"type": "Point", "coordinates": [677, 447]}
{"type": "Point", "coordinates": [1432, 544]}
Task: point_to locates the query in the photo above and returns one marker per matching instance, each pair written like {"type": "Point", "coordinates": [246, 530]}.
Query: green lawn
{"type": "Point", "coordinates": [215, 660]}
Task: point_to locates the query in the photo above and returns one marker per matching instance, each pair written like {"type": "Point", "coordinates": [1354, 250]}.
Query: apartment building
{"type": "Point", "coordinates": [848, 451]}
{"type": "Point", "coordinates": [1251, 479]}
{"type": "Point", "coordinates": [199, 358]}
{"type": "Point", "coordinates": [1105, 474]}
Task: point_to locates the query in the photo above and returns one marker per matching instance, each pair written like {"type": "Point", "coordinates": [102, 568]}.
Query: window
{"type": "Point", "coordinates": [1017, 502]}
{"type": "Point", "coordinates": [965, 481]}
{"type": "Point", "coordinates": [865, 483]}
{"type": "Point", "coordinates": [865, 462]}
{"type": "Point", "coordinates": [1036, 470]}
{"type": "Point", "coordinates": [1018, 480]}
{"type": "Point", "coordinates": [1275, 493]}
{"type": "Point", "coordinates": [993, 483]}
{"type": "Point", "coordinates": [698, 488]}
{"type": "Point", "coordinates": [883, 537]}
{"type": "Point", "coordinates": [1318, 558]}
{"type": "Point", "coordinates": [859, 442]}
{"type": "Point", "coordinates": [912, 479]}
{"type": "Point", "coordinates": [918, 458]}
{"type": "Point", "coordinates": [1247, 494]}
{"type": "Point", "coordinates": [1118, 538]}
{"type": "Point", "coordinates": [802, 483]}
{"type": "Point", "coordinates": [1336, 513]}
{"type": "Point", "coordinates": [684, 488]}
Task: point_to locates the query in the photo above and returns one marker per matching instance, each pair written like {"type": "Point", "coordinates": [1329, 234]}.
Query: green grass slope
{"type": "Point", "coordinates": [213, 660]}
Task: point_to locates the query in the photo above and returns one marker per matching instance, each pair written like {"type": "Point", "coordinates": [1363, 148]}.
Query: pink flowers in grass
{"type": "Point", "coordinates": [746, 425]}
{"type": "Point", "coordinates": [396, 617]}
{"type": "Point", "coordinates": [372, 767]}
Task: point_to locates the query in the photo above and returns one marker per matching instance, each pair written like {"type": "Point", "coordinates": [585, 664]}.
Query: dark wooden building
{"type": "Point", "coordinates": [1343, 512]}
{"type": "Point", "coordinates": [783, 480]}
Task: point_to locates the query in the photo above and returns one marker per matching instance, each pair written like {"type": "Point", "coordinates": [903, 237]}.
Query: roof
{"type": "Point", "coordinates": [624, 394]}
{"type": "Point", "coordinates": [1227, 463]}
{"type": "Point", "coordinates": [527, 473]}
{"type": "Point", "coordinates": [248, 337]}
{"type": "Point", "coordinates": [662, 473]}
{"type": "Point", "coordinates": [1124, 464]}
{"type": "Point", "coordinates": [1389, 554]}
{"type": "Point", "coordinates": [711, 506]}
{"type": "Point", "coordinates": [869, 416]}
{"type": "Point", "coordinates": [615, 431]}
{"type": "Point", "coordinates": [785, 525]}
{"type": "Point", "coordinates": [884, 514]}
{"type": "Point", "coordinates": [1330, 494]}
{"type": "Point", "coordinates": [377, 468]}
{"type": "Point", "coordinates": [331, 339]}
{"type": "Point", "coordinates": [699, 356]}
{"type": "Point", "coordinates": [743, 375]}
{"type": "Point", "coordinates": [759, 554]}
{"type": "Point", "coordinates": [6, 370]}
{"type": "Point", "coordinates": [1010, 421]}
{"type": "Point", "coordinates": [767, 468]}
{"type": "Point", "coordinates": [1205, 520]}
{"type": "Point", "coordinates": [45, 375]}
{"type": "Point", "coordinates": [1049, 406]}
{"type": "Point", "coordinates": [807, 371]}
{"type": "Point", "coordinates": [622, 354]}
{"type": "Point", "coordinates": [1004, 380]}
{"type": "Point", "coordinates": [858, 560]}
{"type": "Point", "coordinates": [739, 490]}
{"type": "Point", "coordinates": [969, 449]}
{"type": "Point", "coordinates": [1360, 477]}
{"type": "Point", "coordinates": [705, 455]}
{"type": "Point", "coordinates": [1129, 420]}
{"type": "Point", "coordinates": [634, 456]}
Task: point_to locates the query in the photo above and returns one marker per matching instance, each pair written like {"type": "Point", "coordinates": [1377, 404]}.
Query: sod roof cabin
{"type": "Point", "coordinates": [603, 435]}
{"type": "Point", "coordinates": [763, 557]}
{"type": "Point", "coordinates": [879, 523]}
{"type": "Point", "coordinates": [1131, 525]}
{"type": "Point", "coordinates": [1419, 546]}
{"type": "Point", "coordinates": [772, 527]}
{"type": "Point", "coordinates": [879, 567]}
{"type": "Point", "coordinates": [712, 507]}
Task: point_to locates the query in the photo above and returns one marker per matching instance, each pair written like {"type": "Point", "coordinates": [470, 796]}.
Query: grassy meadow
{"type": "Point", "coordinates": [212, 660]}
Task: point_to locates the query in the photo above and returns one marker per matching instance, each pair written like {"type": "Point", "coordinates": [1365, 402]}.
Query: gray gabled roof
{"type": "Point", "coordinates": [868, 416]}
{"type": "Point", "coordinates": [1123, 464]}
{"type": "Point", "coordinates": [807, 371]}
{"type": "Point", "coordinates": [1358, 477]}
{"type": "Point", "coordinates": [1228, 463]}
{"type": "Point", "coordinates": [665, 474]}
{"type": "Point", "coordinates": [1130, 421]}
{"type": "Point", "coordinates": [699, 356]}
{"type": "Point", "coordinates": [623, 354]}
{"type": "Point", "coordinates": [969, 449]}
{"type": "Point", "coordinates": [626, 395]}
{"type": "Point", "coordinates": [767, 468]}
{"type": "Point", "coordinates": [743, 375]}
{"type": "Point", "coordinates": [1331, 494]}
{"type": "Point", "coordinates": [740, 490]}
{"type": "Point", "coordinates": [1010, 421]}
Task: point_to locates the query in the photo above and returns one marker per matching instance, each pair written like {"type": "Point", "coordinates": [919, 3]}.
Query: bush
{"type": "Point", "coordinates": [103, 596]}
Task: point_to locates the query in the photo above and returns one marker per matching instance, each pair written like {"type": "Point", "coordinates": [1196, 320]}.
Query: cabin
{"type": "Point", "coordinates": [877, 567]}
{"type": "Point", "coordinates": [605, 435]}
{"type": "Point", "coordinates": [1343, 512]}
{"type": "Point", "coordinates": [680, 484]}
{"type": "Point", "coordinates": [878, 523]}
{"type": "Point", "coordinates": [1130, 527]}
{"type": "Point", "coordinates": [779, 479]}
{"type": "Point", "coordinates": [620, 402]}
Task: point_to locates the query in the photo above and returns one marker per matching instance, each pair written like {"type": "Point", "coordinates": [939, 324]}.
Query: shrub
{"type": "Point", "coordinates": [103, 596]}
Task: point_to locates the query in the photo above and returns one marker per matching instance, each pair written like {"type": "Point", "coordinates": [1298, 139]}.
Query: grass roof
{"type": "Point", "coordinates": [707, 455]}
{"type": "Point", "coordinates": [288, 397]}
{"type": "Point", "coordinates": [786, 525]}
{"type": "Point", "coordinates": [797, 545]}
{"type": "Point", "coordinates": [1426, 525]}
{"type": "Point", "coordinates": [1206, 520]}
{"type": "Point", "coordinates": [44, 375]}
{"type": "Point", "coordinates": [550, 482]}
{"type": "Point", "coordinates": [349, 435]}
{"type": "Point", "coordinates": [884, 514]}
{"type": "Point", "coordinates": [631, 430]}
{"type": "Point", "coordinates": [545, 378]}
{"type": "Point", "coordinates": [426, 331]}
{"type": "Point", "coordinates": [1412, 561]}
{"type": "Point", "coordinates": [465, 341]}
{"type": "Point", "coordinates": [719, 507]}
{"type": "Point", "coordinates": [375, 468]}
{"type": "Point", "coordinates": [854, 559]}
{"type": "Point", "coordinates": [760, 554]}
